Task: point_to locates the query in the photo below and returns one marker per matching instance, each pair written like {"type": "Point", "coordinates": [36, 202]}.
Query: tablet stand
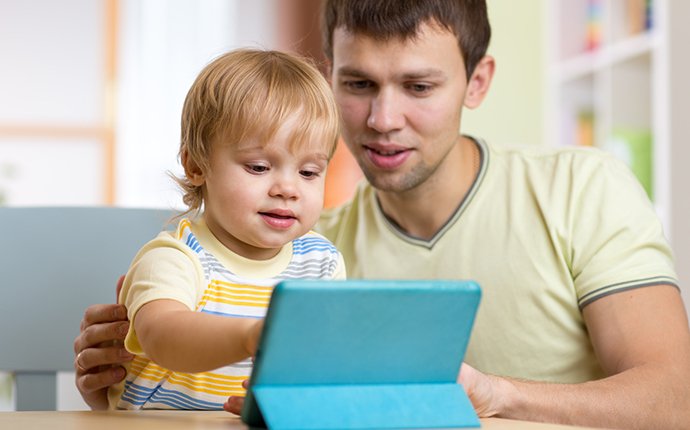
{"type": "Point", "coordinates": [368, 406]}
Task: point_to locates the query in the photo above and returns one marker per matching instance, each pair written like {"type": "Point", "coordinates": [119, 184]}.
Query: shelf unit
{"type": "Point", "coordinates": [606, 63]}
{"type": "Point", "coordinates": [603, 76]}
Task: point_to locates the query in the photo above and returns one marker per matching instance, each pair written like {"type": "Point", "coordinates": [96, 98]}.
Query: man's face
{"type": "Point", "coordinates": [401, 103]}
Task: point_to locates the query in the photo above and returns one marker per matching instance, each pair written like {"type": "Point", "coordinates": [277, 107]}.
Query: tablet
{"type": "Point", "coordinates": [353, 354]}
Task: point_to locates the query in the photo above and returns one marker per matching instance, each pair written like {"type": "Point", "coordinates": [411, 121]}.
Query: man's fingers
{"type": "Point", "coordinates": [118, 287]}
{"type": "Point", "coordinates": [96, 334]}
{"type": "Point", "coordinates": [93, 357]}
{"type": "Point", "coordinates": [91, 382]}
{"type": "Point", "coordinates": [103, 313]}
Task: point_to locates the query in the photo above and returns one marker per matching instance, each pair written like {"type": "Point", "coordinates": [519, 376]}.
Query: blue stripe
{"type": "Point", "coordinates": [170, 397]}
{"type": "Point", "coordinates": [317, 247]}
{"type": "Point", "coordinates": [298, 251]}
{"type": "Point", "coordinates": [301, 241]}
{"type": "Point", "coordinates": [204, 311]}
{"type": "Point", "coordinates": [164, 396]}
{"type": "Point", "coordinates": [193, 243]}
{"type": "Point", "coordinates": [136, 394]}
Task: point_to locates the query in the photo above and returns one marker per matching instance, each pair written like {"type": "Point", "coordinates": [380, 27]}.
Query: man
{"type": "Point", "coordinates": [581, 320]}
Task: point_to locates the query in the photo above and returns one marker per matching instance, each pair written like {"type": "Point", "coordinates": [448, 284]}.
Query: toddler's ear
{"type": "Point", "coordinates": [195, 175]}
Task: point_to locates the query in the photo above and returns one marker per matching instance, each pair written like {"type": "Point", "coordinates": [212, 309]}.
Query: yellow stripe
{"type": "Point", "coordinates": [145, 375]}
{"type": "Point", "coordinates": [207, 380]}
{"type": "Point", "coordinates": [231, 293]}
{"type": "Point", "coordinates": [245, 297]}
{"type": "Point", "coordinates": [209, 377]}
{"type": "Point", "coordinates": [226, 293]}
{"type": "Point", "coordinates": [183, 224]}
{"type": "Point", "coordinates": [138, 365]}
{"type": "Point", "coordinates": [234, 388]}
{"type": "Point", "coordinates": [156, 372]}
{"type": "Point", "coordinates": [240, 286]}
{"type": "Point", "coordinates": [235, 302]}
{"type": "Point", "coordinates": [150, 368]}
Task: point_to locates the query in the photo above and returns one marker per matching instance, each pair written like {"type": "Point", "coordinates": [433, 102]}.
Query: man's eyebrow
{"type": "Point", "coordinates": [430, 72]}
{"type": "Point", "coordinates": [351, 72]}
{"type": "Point", "coordinates": [426, 73]}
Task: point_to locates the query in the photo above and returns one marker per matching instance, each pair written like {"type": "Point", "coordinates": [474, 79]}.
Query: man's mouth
{"type": "Point", "coordinates": [387, 158]}
{"type": "Point", "coordinates": [385, 153]}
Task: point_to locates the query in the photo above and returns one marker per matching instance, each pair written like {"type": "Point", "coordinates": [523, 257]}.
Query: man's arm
{"type": "Point", "coordinates": [642, 340]}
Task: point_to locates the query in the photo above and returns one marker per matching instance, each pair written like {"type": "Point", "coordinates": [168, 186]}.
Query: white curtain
{"type": "Point", "coordinates": [163, 46]}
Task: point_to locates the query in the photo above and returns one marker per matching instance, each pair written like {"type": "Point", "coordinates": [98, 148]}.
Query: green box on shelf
{"type": "Point", "coordinates": [634, 147]}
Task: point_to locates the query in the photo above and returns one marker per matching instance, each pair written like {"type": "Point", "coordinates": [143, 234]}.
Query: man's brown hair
{"type": "Point", "coordinates": [387, 19]}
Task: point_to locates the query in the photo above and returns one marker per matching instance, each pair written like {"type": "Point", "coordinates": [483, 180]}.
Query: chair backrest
{"type": "Point", "coordinates": [54, 263]}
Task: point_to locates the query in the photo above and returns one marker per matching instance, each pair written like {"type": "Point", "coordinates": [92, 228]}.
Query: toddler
{"type": "Point", "coordinates": [258, 131]}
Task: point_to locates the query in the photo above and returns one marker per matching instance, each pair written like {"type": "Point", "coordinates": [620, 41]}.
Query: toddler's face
{"type": "Point", "coordinates": [259, 197]}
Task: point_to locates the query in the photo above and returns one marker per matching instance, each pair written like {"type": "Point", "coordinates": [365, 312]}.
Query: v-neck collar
{"type": "Point", "coordinates": [429, 244]}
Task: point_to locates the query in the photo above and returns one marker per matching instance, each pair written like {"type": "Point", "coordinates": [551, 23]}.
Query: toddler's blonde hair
{"type": "Point", "coordinates": [250, 93]}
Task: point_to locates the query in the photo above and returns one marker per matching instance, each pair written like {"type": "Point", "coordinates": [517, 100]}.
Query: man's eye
{"type": "Point", "coordinates": [420, 88]}
{"type": "Point", "coordinates": [357, 85]}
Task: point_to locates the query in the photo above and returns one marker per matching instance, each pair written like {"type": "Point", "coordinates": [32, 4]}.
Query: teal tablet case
{"type": "Point", "coordinates": [363, 355]}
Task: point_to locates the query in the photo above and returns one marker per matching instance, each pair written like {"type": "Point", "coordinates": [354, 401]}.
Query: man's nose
{"type": "Point", "coordinates": [386, 112]}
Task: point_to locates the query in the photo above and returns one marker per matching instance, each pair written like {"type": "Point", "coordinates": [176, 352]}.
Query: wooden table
{"type": "Point", "coordinates": [173, 420]}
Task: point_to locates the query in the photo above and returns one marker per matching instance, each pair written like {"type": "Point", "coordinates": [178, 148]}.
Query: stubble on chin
{"type": "Point", "coordinates": [399, 183]}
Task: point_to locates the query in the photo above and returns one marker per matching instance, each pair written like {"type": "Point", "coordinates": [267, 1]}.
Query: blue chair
{"type": "Point", "coordinates": [54, 263]}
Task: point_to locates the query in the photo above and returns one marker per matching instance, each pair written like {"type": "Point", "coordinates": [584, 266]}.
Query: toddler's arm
{"type": "Point", "coordinates": [179, 339]}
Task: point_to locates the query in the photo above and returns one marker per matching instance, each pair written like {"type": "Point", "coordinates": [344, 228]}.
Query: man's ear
{"type": "Point", "coordinates": [194, 174]}
{"type": "Point", "coordinates": [478, 85]}
{"type": "Point", "coordinates": [329, 71]}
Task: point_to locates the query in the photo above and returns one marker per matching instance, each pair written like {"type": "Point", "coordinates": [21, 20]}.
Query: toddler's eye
{"type": "Point", "coordinates": [308, 174]}
{"type": "Point", "coordinates": [258, 169]}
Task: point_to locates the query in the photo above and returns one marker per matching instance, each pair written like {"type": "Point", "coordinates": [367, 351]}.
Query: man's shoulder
{"type": "Point", "coordinates": [546, 152]}
{"type": "Point", "coordinates": [535, 161]}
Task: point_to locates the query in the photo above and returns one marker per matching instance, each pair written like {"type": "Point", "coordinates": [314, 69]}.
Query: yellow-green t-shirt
{"type": "Point", "coordinates": [544, 232]}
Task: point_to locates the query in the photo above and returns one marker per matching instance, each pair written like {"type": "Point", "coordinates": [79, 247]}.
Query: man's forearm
{"type": "Point", "coordinates": [649, 396]}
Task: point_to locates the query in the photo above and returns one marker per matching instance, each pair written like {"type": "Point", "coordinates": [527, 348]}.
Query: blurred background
{"type": "Point", "coordinates": [91, 93]}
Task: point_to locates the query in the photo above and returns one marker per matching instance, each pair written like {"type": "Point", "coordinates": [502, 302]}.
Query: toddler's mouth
{"type": "Point", "coordinates": [279, 219]}
{"type": "Point", "coordinates": [279, 213]}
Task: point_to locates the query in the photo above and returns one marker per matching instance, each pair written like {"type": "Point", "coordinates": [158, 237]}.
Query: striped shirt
{"type": "Point", "coordinates": [149, 386]}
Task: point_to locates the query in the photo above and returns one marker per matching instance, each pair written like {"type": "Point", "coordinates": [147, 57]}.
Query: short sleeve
{"type": "Point", "coordinates": [163, 269]}
{"type": "Point", "coordinates": [617, 238]}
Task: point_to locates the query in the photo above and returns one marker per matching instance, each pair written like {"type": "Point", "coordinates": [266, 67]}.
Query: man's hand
{"type": "Point", "coordinates": [642, 340]}
{"type": "Point", "coordinates": [95, 354]}
{"type": "Point", "coordinates": [481, 389]}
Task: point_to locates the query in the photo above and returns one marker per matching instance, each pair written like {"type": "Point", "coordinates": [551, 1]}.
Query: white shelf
{"type": "Point", "coordinates": [605, 57]}
{"type": "Point", "coordinates": [636, 80]}
{"type": "Point", "coordinates": [620, 83]}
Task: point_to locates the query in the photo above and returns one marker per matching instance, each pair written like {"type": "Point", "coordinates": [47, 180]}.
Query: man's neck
{"type": "Point", "coordinates": [422, 211]}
